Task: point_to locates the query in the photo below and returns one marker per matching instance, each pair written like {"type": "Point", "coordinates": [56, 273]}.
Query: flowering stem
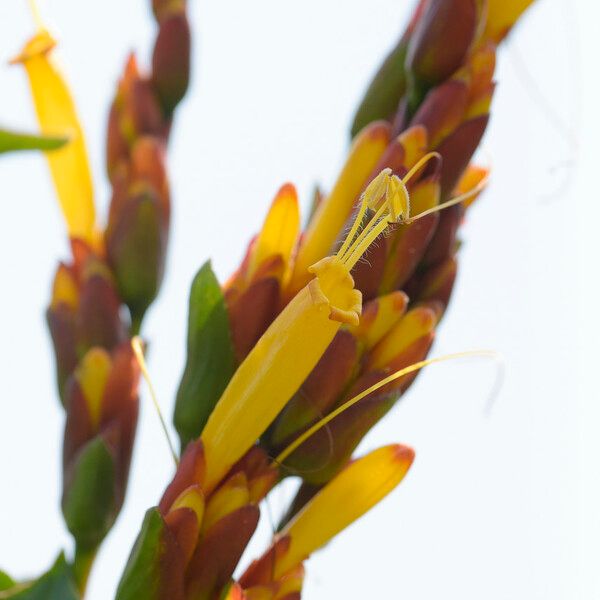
{"type": "Point", "coordinates": [136, 324]}
{"type": "Point", "coordinates": [82, 565]}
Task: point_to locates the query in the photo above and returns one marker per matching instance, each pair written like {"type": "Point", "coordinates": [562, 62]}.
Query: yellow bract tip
{"type": "Point", "coordinates": [92, 375]}
{"type": "Point", "coordinates": [415, 324]}
{"type": "Point", "coordinates": [191, 498]}
{"type": "Point", "coordinates": [379, 316]}
{"type": "Point", "coordinates": [64, 289]}
{"type": "Point", "coordinates": [232, 495]}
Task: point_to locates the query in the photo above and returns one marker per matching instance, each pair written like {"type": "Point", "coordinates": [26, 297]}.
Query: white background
{"type": "Point", "coordinates": [498, 507]}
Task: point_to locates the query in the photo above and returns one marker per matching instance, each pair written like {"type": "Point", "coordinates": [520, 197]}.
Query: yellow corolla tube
{"type": "Point", "coordinates": [293, 344]}
{"type": "Point", "coordinates": [57, 115]}
{"type": "Point", "coordinates": [354, 491]}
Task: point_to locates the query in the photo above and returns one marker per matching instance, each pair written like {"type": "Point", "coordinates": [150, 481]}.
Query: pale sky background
{"type": "Point", "coordinates": [501, 507]}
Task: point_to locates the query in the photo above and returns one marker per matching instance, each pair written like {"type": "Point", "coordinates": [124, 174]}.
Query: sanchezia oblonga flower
{"type": "Point", "coordinates": [191, 543]}
{"type": "Point", "coordinates": [97, 372]}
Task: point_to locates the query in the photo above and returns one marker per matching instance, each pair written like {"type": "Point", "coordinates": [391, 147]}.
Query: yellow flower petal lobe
{"type": "Point", "coordinates": [415, 143]}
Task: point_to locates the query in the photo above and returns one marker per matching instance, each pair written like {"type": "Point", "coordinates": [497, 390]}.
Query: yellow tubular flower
{"type": "Point", "coordinates": [353, 492]}
{"type": "Point", "coordinates": [278, 364]}
{"type": "Point", "coordinates": [279, 232]}
{"type": "Point", "coordinates": [332, 213]}
{"type": "Point", "coordinates": [57, 115]}
{"type": "Point", "coordinates": [502, 15]}
{"type": "Point", "coordinates": [290, 348]}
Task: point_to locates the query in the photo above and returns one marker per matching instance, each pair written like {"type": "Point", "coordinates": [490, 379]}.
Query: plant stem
{"type": "Point", "coordinates": [82, 565]}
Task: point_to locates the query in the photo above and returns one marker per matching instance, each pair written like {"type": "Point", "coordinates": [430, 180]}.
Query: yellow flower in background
{"type": "Point", "coordinates": [502, 15]}
{"type": "Point", "coordinates": [57, 115]}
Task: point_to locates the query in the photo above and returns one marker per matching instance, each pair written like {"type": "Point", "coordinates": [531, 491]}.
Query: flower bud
{"type": "Point", "coordinates": [136, 240]}
{"type": "Point", "coordinates": [102, 407]}
{"type": "Point", "coordinates": [440, 43]}
{"type": "Point", "coordinates": [84, 311]}
{"type": "Point", "coordinates": [171, 61]}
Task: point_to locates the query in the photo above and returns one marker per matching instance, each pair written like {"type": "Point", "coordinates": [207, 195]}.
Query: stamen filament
{"type": "Point", "coordinates": [420, 163]}
{"type": "Point", "coordinates": [456, 200]}
{"type": "Point", "coordinates": [373, 232]}
{"type": "Point", "coordinates": [357, 221]}
{"type": "Point", "coordinates": [383, 382]}
{"type": "Point", "coordinates": [37, 17]}
{"type": "Point", "coordinates": [361, 236]}
{"type": "Point", "coordinates": [136, 345]}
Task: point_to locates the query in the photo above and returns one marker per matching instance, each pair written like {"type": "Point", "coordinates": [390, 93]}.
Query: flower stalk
{"type": "Point", "coordinates": [310, 342]}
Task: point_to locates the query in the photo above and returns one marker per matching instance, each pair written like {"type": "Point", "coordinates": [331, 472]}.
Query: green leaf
{"type": "Point", "coordinates": [142, 575]}
{"type": "Point", "coordinates": [56, 584]}
{"type": "Point", "coordinates": [210, 356]}
{"type": "Point", "coordinates": [88, 501]}
{"type": "Point", "coordinates": [5, 581]}
{"type": "Point", "coordinates": [13, 140]}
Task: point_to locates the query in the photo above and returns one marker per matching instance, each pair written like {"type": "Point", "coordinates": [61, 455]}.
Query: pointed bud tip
{"type": "Point", "coordinates": [287, 190]}
{"type": "Point", "coordinates": [403, 454]}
